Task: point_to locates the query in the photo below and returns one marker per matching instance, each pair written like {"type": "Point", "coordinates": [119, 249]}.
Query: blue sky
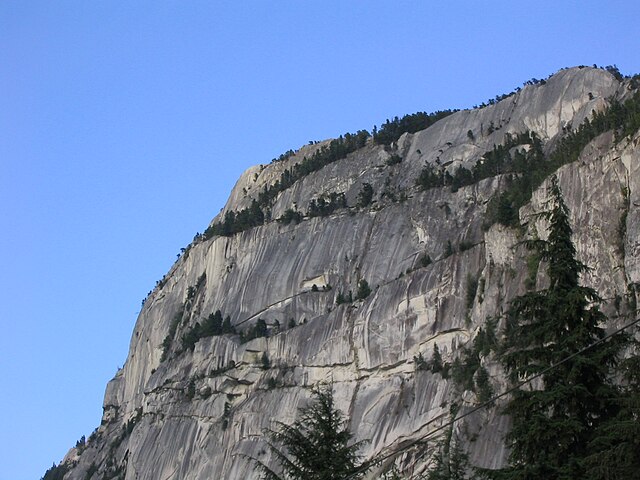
{"type": "Point", "coordinates": [124, 125]}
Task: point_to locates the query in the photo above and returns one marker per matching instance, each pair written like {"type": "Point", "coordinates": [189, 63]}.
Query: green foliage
{"type": "Point", "coordinates": [81, 444]}
{"type": "Point", "coordinates": [235, 222]}
{"type": "Point", "coordinates": [265, 363]}
{"type": "Point", "coordinates": [394, 159]}
{"type": "Point", "coordinates": [461, 177]}
{"type": "Point", "coordinates": [161, 283]}
{"type": "Point", "coordinates": [193, 289]}
{"type": "Point", "coordinates": [553, 426]}
{"type": "Point", "coordinates": [212, 325]}
{"type": "Point", "coordinates": [481, 287]}
{"type": "Point", "coordinates": [528, 167]}
{"type": "Point", "coordinates": [494, 162]}
{"type": "Point", "coordinates": [365, 196]}
{"type": "Point", "coordinates": [532, 168]}
{"type": "Point", "coordinates": [113, 471]}
{"type": "Point", "coordinates": [336, 150]}
{"type": "Point", "coordinates": [533, 263]}
{"type": "Point", "coordinates": [421, 363]}
{"type": "Point", "coordinates": [430, 177]}
{"type": "Point", "coordinates": [465, 245]}
{"type": "Point", "coordinates": [472, 289]}
{"type": "Point", "coordinates": [425, 260]}
{"type": "Point", "coordinates": [173, 327]}
{"type": "Point", "coordinates": [191, 337]}
{"type": "Point", "coordinates": [435, 365]}
{"type": "Point", "coordinates": [622, 223]}
{"type": "Point", "coordinates": [613, 70]}
{"type": "Point", "coordinates": [56, 472]}
{"type": "Point", "coordinates": [316, 446]}
{"type": "Point", "coordinates": [498, 98]}
{"type": "Point", "coordinates": [285, 156]}
{"type": "Point", "coordinates": [501, 159]}
{"type": "Point", "coordinates": [448, 249]}
{"type": "Point", "coordinates": [614, 451]}
{"type": "Point", "coordinates": [93, 468]}
{"type": "Point", "coordinates": [484, 388]}
{"type": "Point", "coordinates": [486, 339]}
{"type": "Point", "coordinates": [342, 298]}
{"type": "Point", "coordinates": [290, 216]}
{"type": "Point", "coordinates": [465, 369]}
{"type": "Point", "coordinates": [503, 209]}
{"type": "Point", "coordinates": [227, 327]}
{"type": "Point", "coordinates": [190, 391]}
{"type": "Point", "coordinates": [450, 461]}
{"type": "Point", "coordinates": [93, 437]}
{"type": "Point", "coordinates": [363, 290]}
{"type": "Point", "coordinates": [191, 292]}
{"type": "Point", "coordinates": [128, 427]}
{"type": "Point", "coordinates": [436, 361]}
{"type": "Point", "coordinates": [326, 205]}
{"type": "Point", "coordinates": [226, 414]}
{"type": "Point", "coordinates": [391, 474]}
{"type": "Point", "coordinates": [258, 330]}
{"type": "Point", "coordinates": [391, 130]}
{"type": "Point", "coordinates": [261, 328]}
{"type": "Point", "coordinates": [470, 135]}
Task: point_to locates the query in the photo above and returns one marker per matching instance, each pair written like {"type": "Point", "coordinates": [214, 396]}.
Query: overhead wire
{"type": "Point", "coordinates": [489, 402]}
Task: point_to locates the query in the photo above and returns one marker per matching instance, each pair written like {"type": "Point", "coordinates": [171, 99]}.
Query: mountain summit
{"type": "Point", "coordinates": [383, 265]}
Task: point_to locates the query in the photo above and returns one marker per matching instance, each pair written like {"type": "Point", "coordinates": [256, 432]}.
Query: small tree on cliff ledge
{"type": "Point", "coordinates": [316, 446]}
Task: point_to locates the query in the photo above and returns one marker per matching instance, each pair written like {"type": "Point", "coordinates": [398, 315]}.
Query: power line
{"type": "Point", "coordinates": [427, 435]}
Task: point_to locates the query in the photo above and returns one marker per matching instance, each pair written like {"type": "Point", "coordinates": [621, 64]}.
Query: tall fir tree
{"type": "Point", "coordinates": [554, 420]}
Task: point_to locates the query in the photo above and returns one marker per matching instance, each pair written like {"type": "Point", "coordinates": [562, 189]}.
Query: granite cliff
{"type": "Point", "coordinates": [188, 405]}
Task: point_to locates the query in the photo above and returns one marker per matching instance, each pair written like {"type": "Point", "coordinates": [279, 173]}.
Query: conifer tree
{"type": "Point", "coordinates": [363, 290]}
{"type": "Point", "coordinates": [436, 360]}
{"type": "Point", "coordinates": [450, 461]}
{"type": "Point", "coordinates": [317, 445]}
{"type": "Point", "coordinates": [554, 421]}
{"type": "Point", "coordinates": [615, 448]}
{"type": "Point", "coordinates": [365, 196]}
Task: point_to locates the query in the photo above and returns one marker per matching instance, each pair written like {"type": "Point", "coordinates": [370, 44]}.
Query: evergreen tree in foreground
{"type": "Point", "coordinates": [615, 448]}
{"type": "Point", "coordinates": [451, 462]}
{"type": "Point", "coordinates": [316, 446]}
{"type": "Point", "coordinates": [556, 420]}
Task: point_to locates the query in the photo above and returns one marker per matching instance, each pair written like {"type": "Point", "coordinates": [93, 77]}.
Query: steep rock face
{"type": "Point", "coordinates": [200, 414]}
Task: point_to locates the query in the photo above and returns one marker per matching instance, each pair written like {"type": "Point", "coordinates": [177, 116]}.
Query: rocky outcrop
{"type": "Point", "coordinates": [436, 274]}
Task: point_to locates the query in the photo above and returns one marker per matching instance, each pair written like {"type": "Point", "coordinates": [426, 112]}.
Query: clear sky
{"type": "Point", "coordinates": [125, 124]}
